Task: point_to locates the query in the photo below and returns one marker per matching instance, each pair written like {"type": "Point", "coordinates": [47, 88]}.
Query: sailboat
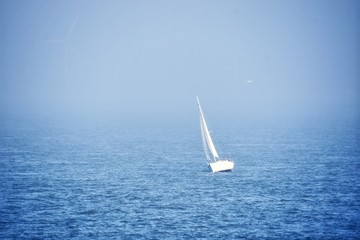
{"type": "Point", "coordinates": [216, 164]}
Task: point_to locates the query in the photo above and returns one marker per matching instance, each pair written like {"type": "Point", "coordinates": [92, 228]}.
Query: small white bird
{"type": "Point", "coordinates": [249, 81]}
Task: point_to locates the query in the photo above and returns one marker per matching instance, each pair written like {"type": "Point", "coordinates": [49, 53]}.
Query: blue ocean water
{"type": "Point", "coordinates": [151, 182]}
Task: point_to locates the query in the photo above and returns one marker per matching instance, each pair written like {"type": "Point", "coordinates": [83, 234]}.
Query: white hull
{"type": "Point", "coordinates": [222, 166]}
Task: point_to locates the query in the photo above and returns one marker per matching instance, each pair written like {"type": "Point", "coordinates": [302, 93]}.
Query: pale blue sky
{"type": "Point", "coordinates": [149, 59]}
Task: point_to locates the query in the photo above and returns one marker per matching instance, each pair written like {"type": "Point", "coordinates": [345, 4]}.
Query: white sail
{"type": "Point", "coordinates": [206, 149]}
{"type": "Point", "coordinates": [206, 135]}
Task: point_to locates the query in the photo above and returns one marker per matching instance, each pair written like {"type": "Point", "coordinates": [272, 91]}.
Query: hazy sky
{"type": "Point", "coordinates": [149, 59]}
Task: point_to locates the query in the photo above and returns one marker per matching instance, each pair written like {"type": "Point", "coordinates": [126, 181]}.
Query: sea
{"type": "Point", "coordinates": [127, 180]}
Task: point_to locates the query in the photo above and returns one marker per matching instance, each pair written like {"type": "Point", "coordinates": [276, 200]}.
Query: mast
{"type": "Point", "coordinates": [207, 141]}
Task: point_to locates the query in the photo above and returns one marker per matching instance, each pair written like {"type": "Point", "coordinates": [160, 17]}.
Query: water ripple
{"type": "Point", "coordinates": [131, 185]}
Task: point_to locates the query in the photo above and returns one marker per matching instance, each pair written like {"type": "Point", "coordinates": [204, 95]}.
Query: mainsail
{"type": "Point", "coordinates": [207, 141]}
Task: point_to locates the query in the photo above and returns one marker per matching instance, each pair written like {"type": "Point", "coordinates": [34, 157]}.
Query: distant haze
{"type": "Point", "coordinates": [149, 59]}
